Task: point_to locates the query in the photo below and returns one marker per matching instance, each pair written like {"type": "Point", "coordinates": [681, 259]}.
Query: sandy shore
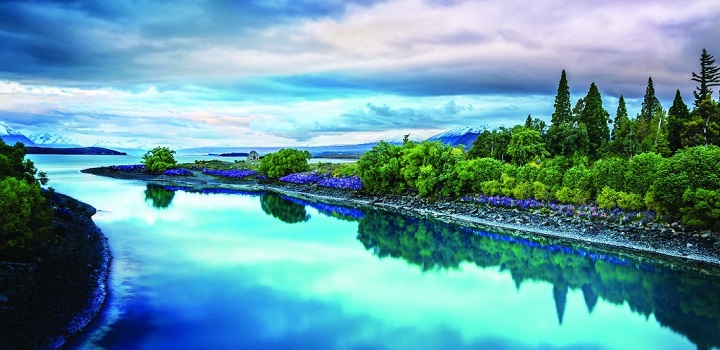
{"type": "Point", "coordinates": [671, 242]}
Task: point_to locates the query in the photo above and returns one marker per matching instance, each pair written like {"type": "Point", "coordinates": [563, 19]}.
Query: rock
{"type": "Point", "coordinates": [716, 245]}
{"type": "Point", "coordinates": [705, 235]}
{"type": "Point", "coordinates": [689, 245]}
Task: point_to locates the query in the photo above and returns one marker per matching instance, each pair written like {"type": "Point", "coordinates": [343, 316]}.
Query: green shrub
{"type": "Point", "coordinates": [541, 192]}
{"type": "Point", "coordinates": [551, 176]}
{"type": "Point", "coordinates": [608, 198]}
{"type": "Point", "coordinates": [572, 195]}
{"type": "Point", "coordinates": [25, 215]}
{"type": "Point", "coordinates": [609, 172]}
{"type": "Point", "coordinates": [701, 208]}
{"type": "Point", "coordinates": [528, 173]}
{"type": "Point", "coordinates": [507, 184]}
{"type": "Point", "coordinates": [430, 167]}
{"type": "Point", "coordinates": [523, 190]}
{"type": "Point", "coordinates": [491, 188]}
{"type": "Point", "coordinates": [578, 177]}
{"type": "Point", "coordinates": [630, 201]}
{"type": "Point", "coordinates": [641, 172]}
{"type": "Point", "coordinates": [159, 159]}
{"type": "Point", "coordinates": [380, 169]}
{"type": "Point", "coordinates": [284, 162]}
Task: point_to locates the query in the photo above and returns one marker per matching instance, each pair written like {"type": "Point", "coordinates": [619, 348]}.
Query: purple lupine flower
{"type": "Point", "coordinates": [229, 173]}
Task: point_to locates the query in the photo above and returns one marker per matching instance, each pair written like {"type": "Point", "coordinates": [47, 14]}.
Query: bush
{"type": "Point", "coordinates": [523, 190]}
{"type": "Point", "coordinates": [380, 169]}
{"type": "Point", "coordinates": [491, 188]}
{"type": "Point", "coordinates": [701, 208]}
{"type": "Point", "coordinates": [641, 172]}
{"type": "Point", "coordinates": [159, 159]}
{"type": "Point", "coordinates": [572, 195]}
{"type": "Point", "coordinates": [541, 192]}
{"type": "Point", "coordinates": [25, 215]}
{"type": "Point", "coordinates": [578, 177]}
{"type": "Point", "coordinates": [692, 168]}
{"type": "Point", "coordinates": [609, 172]}
{"type": "Point", "coordinates": [430, 167]}
{"type": "Point", "coordinates": [284, 162]}
{"type": "Point", "coordinates": [630, 201]}
{"type": "Point", "coordinates": [507, 185]}
{"type": "Point", "coordinates": [608, 198]}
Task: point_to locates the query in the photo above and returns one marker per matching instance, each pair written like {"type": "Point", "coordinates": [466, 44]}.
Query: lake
{"type": "Point", "coordinates": [262, 271]}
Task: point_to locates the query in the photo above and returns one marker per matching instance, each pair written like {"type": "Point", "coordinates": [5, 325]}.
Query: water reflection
{"type": "Point", "coordinates": [159, 196]}
{"type": "Point", "coordinates": [283, 208]}
{"type": "Point", "coordinates": [685, 301]}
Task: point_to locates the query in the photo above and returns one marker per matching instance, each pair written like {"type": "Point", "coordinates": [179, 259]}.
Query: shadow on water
{"type": "Point", "coordinates": [686, 301]}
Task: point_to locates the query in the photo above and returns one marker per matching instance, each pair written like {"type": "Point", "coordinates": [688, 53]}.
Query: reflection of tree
{"type": "Point", "coordinates": [159, 196]}
{"type": "Point", "coordinates": [283, 209]}
{"type": "Point", "coordinates": [688, 302]}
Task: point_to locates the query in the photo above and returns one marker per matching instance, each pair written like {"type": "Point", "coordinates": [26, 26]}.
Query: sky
{"type": "Point", "coordinates": [300, 73]}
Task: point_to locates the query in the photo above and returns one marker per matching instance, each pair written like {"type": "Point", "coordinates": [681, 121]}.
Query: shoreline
{"type": "Point", "coordinates": [51, 299]}
{"type": "Point", "coordinates": [697, 249]}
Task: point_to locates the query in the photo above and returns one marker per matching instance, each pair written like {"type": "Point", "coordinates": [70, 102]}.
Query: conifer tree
{"type": "Point", "coordinates": [563, 110]}
{"type": "Point", "coordinates": [678, 115]}
{"type": "Point", "coordinates": [650, 104]}
{"type": "Point", "coordinates": [708, 77]}
{"type": "Point", "coordinates": [620, 116]}
{"type": "Point", "coordinates": [595, 117]}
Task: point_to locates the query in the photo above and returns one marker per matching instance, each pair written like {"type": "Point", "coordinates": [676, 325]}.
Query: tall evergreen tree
{"type": "Point", "coordinates": [650, 104]}
{"type": "Point", "coordinates": [678, 115]}
{"type": "Point", "coordinates": [562, 105]}
{"type": "Point", "coordinates": [620, 116]}
{"type": "Point", "coordinates": [595, 117]}
{"type": "Point", "coordinates": [708, 77]}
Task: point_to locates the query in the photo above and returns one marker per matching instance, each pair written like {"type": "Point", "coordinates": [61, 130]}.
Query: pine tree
{"type": "Point", "coordinates": [620, 116]}
{"type": "Point", "coordinates": [678, 115]}
{"type": "Point", "coordinates": [650, 104]}
{"type": "Point", "coordinates": [562, 102]}
{"type": "Point", "coordinates": [595, 117]}
{"type": "Point", "coordinates": [708, 77]}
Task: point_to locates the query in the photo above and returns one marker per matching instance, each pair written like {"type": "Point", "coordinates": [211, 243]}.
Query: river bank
{"type": "Point", "coordinates": [49, 298]}
{"type": "Point", "coordinates": [668, 241]}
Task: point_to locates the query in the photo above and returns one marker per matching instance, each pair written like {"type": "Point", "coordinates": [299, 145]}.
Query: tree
{"type": "Point", "coordinates": [621, 116]}
{"type": "Point", "coordinates": [536, 124]}
{"type": "Point", "coordinates": [704, 125]}
{"type": "Point", "coordinates": [491, 144]}
{"type": "Point", "coordinates": [595, 117]}
{"type": "Point", "coordinates": [650, 104]}
{"type": "Point", "coordinates": [284, 162]}
{"type": "Point", "coordinates": [566, 139]}
{"type": "Point", "coordinates": [380, 168]}
{"type": "Point", "coordinates": [14, 164]}
{"type": "Point", "coordinates": [563, 110]}
{"type": "Point", "coordinates": [159, 159]}
{"type": "Point", "coordinates": [708, 77]}
{"type": "Point", "coordinates": [678, 115]}
{"type": "Point", "coordinates": [526, 146]}
{"type": "Point", "coordinates": [25, 215]}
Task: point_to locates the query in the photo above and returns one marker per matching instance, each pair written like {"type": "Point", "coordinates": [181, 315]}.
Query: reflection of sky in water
{"type": "Point", "coordinates": [215, 271]}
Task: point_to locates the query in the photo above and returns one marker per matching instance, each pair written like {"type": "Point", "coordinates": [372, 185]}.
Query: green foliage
{"type": "Point", "coordinates": [563, 112]}
{"type": "Point", "coordinates": [493, 144]}
{"type": "Point", "coordinates": [14, 164]}
{"type": "Point", "coordinates": [523, 190]}
{"type": "Point", "coordinates": [609, 199]}
{"type": "Point", "coordinates": [701, 208]}
{"type": "Point", "coordinates": [284, 162]}
{"type": "Point", "coordinates": [491, 188]}
{"type": "Point", "coordinates": [572, 195]}
{"type": "Point", "coordinates": [526, 145]}
{"type": "Point", "coordinates": [578, 177]}
{"type": "Point", "coordinates": [595, 117]}
{"type": "Point", "coordinates": [703, 128]}
{"type": "Point", "coordinates": [527, 173]}
{"type": "Point", "coordinates": [381, 170]}
{"type": "Point", "coordinates": [159, 159]}
{"type": "Point", "coordinates": [678, 115]}
{"type": "Point", "coordinates": [551, 175]}
{"type": "Point", "coordinates": [507, 185]}
{"type": "Point", "coordinates": [25, 215]}
{"type": "Point", "coordinates": [428, 166]}
{"type": "Point", "coordinates": [692, 168]}
{"type": "Point", "coordinates": [568, 139]}
{"type": "Point", "coordinates": [541, 191]}
{"type": "Point", "coordinates": [708, 77]}
{"type": "Point", "coordinates": [609, 172]}
{"type": "Point", "coordinates": [641, 172]}
{"type": "Point", "coordinates": [650, 105]}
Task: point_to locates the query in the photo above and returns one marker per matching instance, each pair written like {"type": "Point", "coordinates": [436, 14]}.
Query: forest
{"type": "Point", "coordinates": [663, 161]}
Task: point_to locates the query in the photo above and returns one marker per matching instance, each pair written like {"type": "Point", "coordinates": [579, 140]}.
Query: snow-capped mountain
{"type": "Point", "coordinates": [53, 140]}
{"type": "Point", "coordinates": [458, 136]}
{"type": "Point", "coordinates": [11, 136]}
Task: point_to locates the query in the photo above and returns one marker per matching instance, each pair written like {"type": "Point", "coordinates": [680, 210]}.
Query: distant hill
{"type": "Point", "coordinates": [10, 136]}
{"type": "Point", "coordinates": [99, 151]}
{"type": "Point", "coordinates": [459, 136]}
{"type": "Point", "coordinates": [53, 140]}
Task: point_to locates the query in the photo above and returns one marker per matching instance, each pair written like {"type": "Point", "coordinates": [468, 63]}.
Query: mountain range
{"type": "Point", "coordinates": [459, 136]}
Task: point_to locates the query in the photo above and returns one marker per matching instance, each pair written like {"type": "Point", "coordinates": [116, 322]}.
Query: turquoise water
{"type": "Point", "coordinates": [246, 271]}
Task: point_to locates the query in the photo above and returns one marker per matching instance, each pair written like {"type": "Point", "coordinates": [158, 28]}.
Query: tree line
{"type": "Point", "coordinates": [664, 161]}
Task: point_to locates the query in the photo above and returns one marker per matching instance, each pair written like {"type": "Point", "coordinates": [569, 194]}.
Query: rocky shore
{"type": "Point", "coordinates": [671, 241]}
{"type": "Point", "coordinates": [48, 298]}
